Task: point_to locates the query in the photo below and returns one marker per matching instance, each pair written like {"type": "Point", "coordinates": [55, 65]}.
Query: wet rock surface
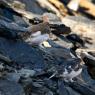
{"type": "Point", "coordinates": [27, 69]}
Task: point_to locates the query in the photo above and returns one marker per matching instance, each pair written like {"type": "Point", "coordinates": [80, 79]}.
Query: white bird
{"type": "Point", "coordinates": [68, 77]}
{"type": "Point", "coordinates": [37, 38]}
{"type": "Point", "coordinates": [71, 70]}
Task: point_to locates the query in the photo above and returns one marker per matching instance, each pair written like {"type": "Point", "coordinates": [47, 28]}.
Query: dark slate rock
{"type": "Point", "coordinates": [86, 78]}
{"type": "Point", "coordinates": [22, 53]}
{"type": "Point", "coordinates": [60, 52]}
{"type": "Point", "coordinates": [31, 5]}
{"type": "Point", "coordinates": [83, 89]}
{"type": "Point", "coordinates": [13, 17]}
{"type": "Point", "coordinates": [10, 88]}
{"type": "Point", "coordinates": [66, 90]}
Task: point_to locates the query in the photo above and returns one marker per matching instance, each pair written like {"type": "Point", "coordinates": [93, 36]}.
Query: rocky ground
{"type": "Point", "coordinates": [41, 54]}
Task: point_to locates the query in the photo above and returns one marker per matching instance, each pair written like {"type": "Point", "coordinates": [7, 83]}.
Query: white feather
{"type": "Point", "coordinates": [69, 76]}
{"type": "Point", "coordinates": [38, 40]}
{"type": "Point", "coordinates": [38, 33]}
